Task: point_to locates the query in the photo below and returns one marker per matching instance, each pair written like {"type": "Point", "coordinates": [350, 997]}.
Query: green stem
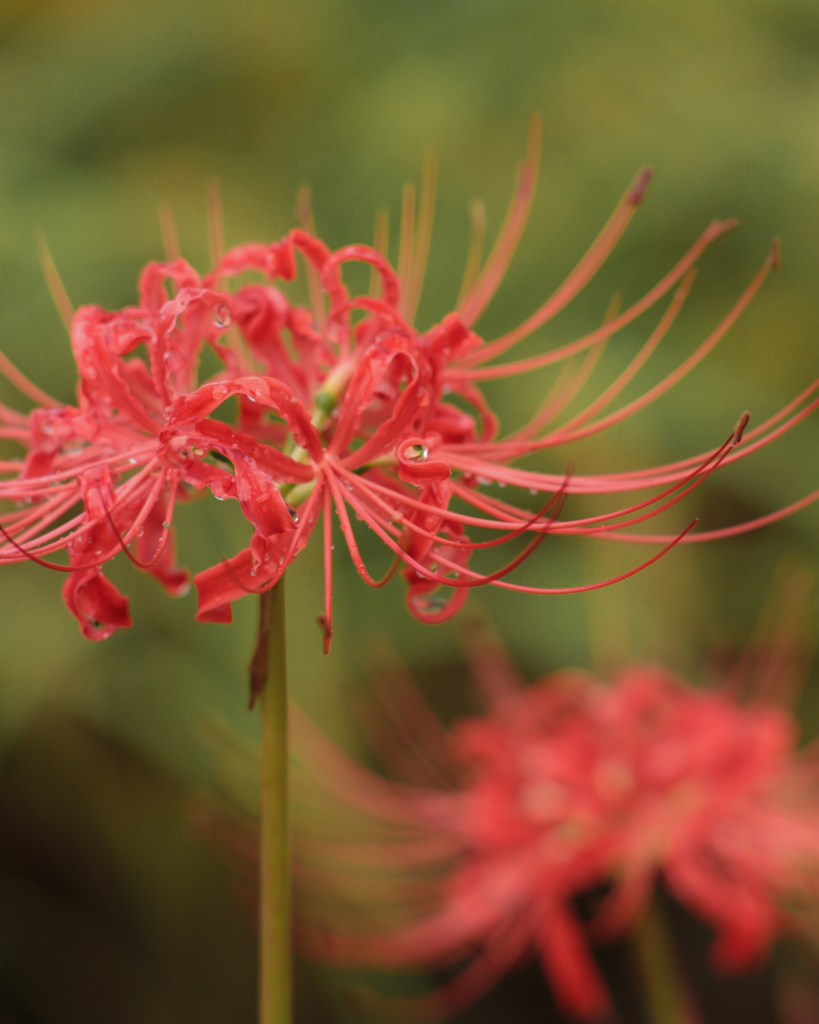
{"type": "Point", "coordinates": [665, 999]}
{"type": "Point", "coordinates": [269, 675]}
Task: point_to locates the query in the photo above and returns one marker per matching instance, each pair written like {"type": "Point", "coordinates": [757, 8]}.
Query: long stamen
{"type": "Point", "coordinates": [526, 525]}
{"type": "Point", "coordinates": [725, 531]}
{"type": "Point", "coordinates": [56, 288]}
{"type": "Point", "coordinates": [586, 269]}
{"type": "Point", "coordinates": [712, 232]}
{"type": "Point", "coordinates": [304, 214]}
{"type": "Point", "coordinates": [170, 235]}
{"type": "Point", "coordinates": [486, 284]}
{"type": "Point", "coordinates": [560, 395]}
{"type": "Point", "coordinates": [406, 244]}
{"type": "Point", "coordinates": [683, 369]}
{"type": "Point", "coordinates": [26, 553]}
{"type": "Point", "coordinates": [381, 243]}
{"type": "Point", "coordinates": [477, 580]}
{"type": "Point", "coordinates": [640, 359]}
{"type": "Point", "coordinates": [423, 234]}
{"type": "Point", "coordinates": [133, 484]}
{"type": "Point", "coordinates": [32, 486]}
{"type": "Point", "coordinates": [493, 505]}
{"type": "Point", "coordinates": [349, 537]}
{"type": "Point", "coordinates": [24, 385]}
{"type": "Point", "coordinates": [477, 234]}
{"type": "Point", "coordinates": [216, 222]}
{"type": "Point", "coordinates": [144, 512]}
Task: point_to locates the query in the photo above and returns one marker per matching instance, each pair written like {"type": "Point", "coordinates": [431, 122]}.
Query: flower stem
{"type": "Point", "coordinates": [269, 675]}
{"type": "Point", "coordinates": [665, 997]}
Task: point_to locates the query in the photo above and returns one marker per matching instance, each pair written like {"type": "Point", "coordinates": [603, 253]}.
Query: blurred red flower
{"type": "Point", "coordinates": [343, 405]}
{"type": "Point", "coordinates": [476, 858]}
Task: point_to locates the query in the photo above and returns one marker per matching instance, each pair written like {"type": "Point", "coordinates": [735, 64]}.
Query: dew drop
{"type": "Point", "coordinates": [415, 452]}
{"type": "Point", "coordinates": [533, 490]}
{"type": "Point", "coordinates": [221, 316]}
{"type": "Point", "coordinates": [293, 513]}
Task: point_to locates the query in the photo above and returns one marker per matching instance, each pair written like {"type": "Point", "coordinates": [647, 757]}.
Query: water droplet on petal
{"type": "Point", "coordinates": [293, 513]}
{"type": "Point", "coordinates": [166, 525]}
{"type": "Point", "coordinates": [221, 316]}
{"type": "Point", "coordinates": [415, 452]}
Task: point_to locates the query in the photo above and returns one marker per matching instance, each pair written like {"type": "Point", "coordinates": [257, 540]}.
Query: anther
{"type": "Point", "coordinates": [638, 189]}
{"type": "Point", "coordinates": [739, 429]}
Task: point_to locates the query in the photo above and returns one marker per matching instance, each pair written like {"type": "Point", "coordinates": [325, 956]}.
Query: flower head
{"type": "Point", "coordinates": [343, 405]}
{"type": "Point", "coordinates": [476, 859]}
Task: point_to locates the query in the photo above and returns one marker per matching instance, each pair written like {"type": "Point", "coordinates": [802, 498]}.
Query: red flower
{"type": "Point", "coordinates": [344, 405]}
{"type": "Point", "coordinates": [476, 858]}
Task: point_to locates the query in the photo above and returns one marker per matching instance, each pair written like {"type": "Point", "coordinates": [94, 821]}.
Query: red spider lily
{"type": "Point", "coordinates": [342, 405]}
{"type": "Point", "coordinates": [475, 859]}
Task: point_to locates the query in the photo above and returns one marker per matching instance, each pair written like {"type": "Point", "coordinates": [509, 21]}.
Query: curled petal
{"type": "Point", "coordinates": [265, 391]}
{"type": "Point", "coordinates": [152, 292]}
{"type": "Point", "coordinates": [276, 260]}
{"type": "Point", "coordinates": [96, 603]}
{"type": "Point", "coordinates": [414, 464]}
{"type": "Point", "coordinates": [364, 254]}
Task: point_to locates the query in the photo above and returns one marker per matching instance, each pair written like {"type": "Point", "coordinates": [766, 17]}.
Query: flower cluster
{"type": "Point", "coordinates": [564, 787]}
{"type": "Point", "coordinates": [342, 405]}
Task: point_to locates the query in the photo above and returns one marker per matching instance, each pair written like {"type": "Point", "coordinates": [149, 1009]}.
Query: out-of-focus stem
{"type": "Point", "coordinates": [666, 1000]}
{"type": "Point", "coordinates": [270, 665]}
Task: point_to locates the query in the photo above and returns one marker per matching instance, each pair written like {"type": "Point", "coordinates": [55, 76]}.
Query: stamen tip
{"type": "Point", "coordinates": [477, 215]}
{"type": "Point", "coordinates": [327, 629]}
{"type": "Point", "coordinates": [638, 189]}
{"type": "Point", "coordinates": [304, 210]}
{"type": "Point", "coordinates": [739, 430]}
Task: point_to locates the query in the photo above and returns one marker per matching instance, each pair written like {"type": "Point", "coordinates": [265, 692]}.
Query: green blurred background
{"type": "Point", "coordinates": [109, 108]}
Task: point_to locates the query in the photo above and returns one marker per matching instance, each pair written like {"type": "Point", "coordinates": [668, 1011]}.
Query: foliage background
{"type": "Point", "coordinates": [108, 108]}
